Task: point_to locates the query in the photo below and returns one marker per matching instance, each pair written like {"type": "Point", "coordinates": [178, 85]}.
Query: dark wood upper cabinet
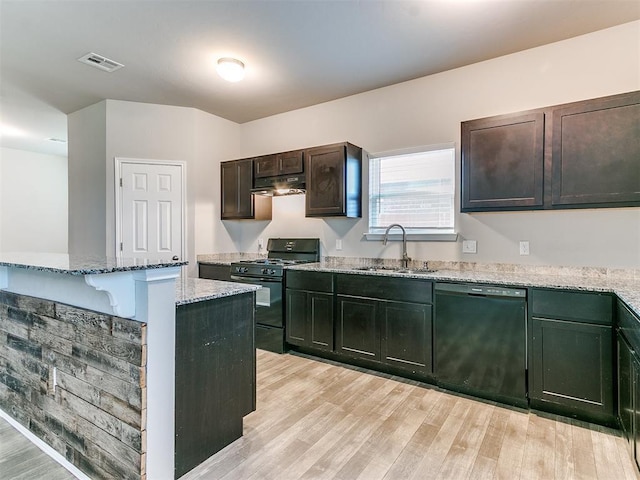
{"type": "Point", "coordinates": [502, 162]}
{"type": "Point", "coordinates": [578, 155]}
{"type": "Point", "coordinates": [334, 181]}
{"type": "Point", "coordinates": [237, 202]}
{"type": "Point", "coordinates": [287, 163]}
{"type": "Point", "coordinates": [596, 152]}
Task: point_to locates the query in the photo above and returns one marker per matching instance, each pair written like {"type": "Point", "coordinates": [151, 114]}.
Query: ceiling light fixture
{"type": "Point", "coordinates": [231, 69]}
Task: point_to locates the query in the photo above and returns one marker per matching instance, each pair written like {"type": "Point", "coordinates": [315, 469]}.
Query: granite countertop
{"type": "Point", "coordinates": [80, 264]}
{"type": "Point", "coordinates": [227, 258]}
{"type": "Point", "coordinates": [627, 289]}
{"type": "Point", "coordinates": [192, 290]}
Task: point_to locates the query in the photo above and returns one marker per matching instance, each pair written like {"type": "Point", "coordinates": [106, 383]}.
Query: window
{"type": "Point", "coordinates": [414, 189]}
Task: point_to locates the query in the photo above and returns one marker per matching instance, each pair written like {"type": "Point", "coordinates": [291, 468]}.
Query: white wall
{"type": "Point", "coordinates": [87, 197]}
{"type": "Point", "coordinates": [154, 132]}
{"type": "Point", "coordinates": [33, 202]}
{"type": "Point", "coordinates": [428, 111]}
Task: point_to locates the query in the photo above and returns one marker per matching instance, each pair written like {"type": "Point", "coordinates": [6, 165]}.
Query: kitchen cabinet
{"type": "Point", "coordinates": [628, 341]}
{"type": "Point", "coordinates": [215, 375]}
{"type": "Point", "coordinates": [214, 272]}
{"type": "Point", "coordinates": [309, 309]}
{"type": "Point", "coordinates": [571, 348]}
{"type": "Point", "coordinates": [626, 386]}
{"type": "Point", "coordinates": [334, 181]}
{"type": "Point", "coordinates": [577, 155]}
{"type": "Point", "coordinates": [503, 162]}
{"type": "Point", "coordinates": [595, 152]}
{"type": "Point", "coordinates": [287, 163]}
{"type": "Point", "coordinates": [386, 320]}
{"type": "Point", "coordinates": [237, 202]}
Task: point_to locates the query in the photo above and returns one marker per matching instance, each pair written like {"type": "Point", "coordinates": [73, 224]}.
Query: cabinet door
{"type": "Point", "coordinates": [320, 320]}
{"type": "Point", "coordinates": [502, 162]}
{"type": "Point", "coordinates": [406, 336]}
{"type": "Point", "coordinates": [596, 147]}
{"type": "Point", "coordinates": [625, 388]}
{"type": "Point", "coordinates": [572, 365]}
{"type": "Point", "coordinates": [296, 318]}
{"type": "Point", "coordinates": [334, 181]}
{"type": "Point", "coordinates": [636, 412]}
{"type": "Point", "coordinates": [266, 166]}
{"type": "Point", "coordinates": [325, 181]}
{"type": "Point", "coordinates": [357, 333]}
{"type": "Point", "coordinates": [290, 162]}
{"type": "Point", "coordinates": [237, 202]}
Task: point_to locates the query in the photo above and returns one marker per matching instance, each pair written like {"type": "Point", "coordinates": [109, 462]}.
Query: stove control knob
{"type": "Point", "coordinates": [242, 269]}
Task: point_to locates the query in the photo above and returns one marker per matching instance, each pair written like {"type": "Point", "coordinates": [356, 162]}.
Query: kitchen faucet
{"type": "Point", "coordinates": [405, 257]}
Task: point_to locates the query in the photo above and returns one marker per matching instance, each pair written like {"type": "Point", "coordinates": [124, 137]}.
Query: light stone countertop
{"type": "Point", "coordinates": [227, 258]}
{"type": "Point", "coordinates": [192, 290]}
{"type": "Point", "coordinates": [627, 289]}
{"type": "Point", "coordinates": [80, 264]}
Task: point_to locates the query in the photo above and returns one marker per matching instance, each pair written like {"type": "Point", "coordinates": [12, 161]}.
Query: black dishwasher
{"type": "Point", "coordinates": [480, 341]}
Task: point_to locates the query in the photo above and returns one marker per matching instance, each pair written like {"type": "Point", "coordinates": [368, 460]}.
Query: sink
{"type": "Point", "coordinates": [394, 270]}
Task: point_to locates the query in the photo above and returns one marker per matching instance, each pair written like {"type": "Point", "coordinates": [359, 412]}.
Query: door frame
{"type": "Point", "coordinates": [118, 162]}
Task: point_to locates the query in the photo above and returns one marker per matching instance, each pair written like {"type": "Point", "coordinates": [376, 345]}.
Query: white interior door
{"type": "Point", "coordinates": [151, 211]}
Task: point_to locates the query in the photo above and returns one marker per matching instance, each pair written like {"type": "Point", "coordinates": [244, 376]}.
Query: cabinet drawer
{"type": "Point", "coordinates": [385, 288]}
{"type": "Point", "coordinates": [312, 281]}
{"type": "Point", "coordinates": [582, 307]}
{"type": "Point", "coordinates": [629, 325]}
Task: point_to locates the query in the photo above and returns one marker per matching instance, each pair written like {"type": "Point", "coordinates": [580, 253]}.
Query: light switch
{"type": "Point", "coordinates": [338, 244]}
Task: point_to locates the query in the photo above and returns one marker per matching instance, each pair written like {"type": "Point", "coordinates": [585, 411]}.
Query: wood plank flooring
{"type": "Point", "coordinates": [319, 420]}
{"type": "Point", "coordinates": [22, 460]}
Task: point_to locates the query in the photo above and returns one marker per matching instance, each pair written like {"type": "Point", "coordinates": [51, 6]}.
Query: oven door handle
{"type": "Point", "coordinates": [256, 279]}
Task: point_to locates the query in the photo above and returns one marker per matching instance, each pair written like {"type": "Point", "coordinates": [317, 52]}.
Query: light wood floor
{"type": "Point", "coordinates": [22, 460]}
{"type": "Point", "coordinates": [317, 420]}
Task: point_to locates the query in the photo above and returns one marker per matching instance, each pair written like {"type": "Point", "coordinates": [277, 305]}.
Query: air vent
{"type": "Point", "coordinates": [98, 61]}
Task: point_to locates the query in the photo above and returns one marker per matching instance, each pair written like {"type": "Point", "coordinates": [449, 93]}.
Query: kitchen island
{"type": "Point", "coordinates": [87, 355]}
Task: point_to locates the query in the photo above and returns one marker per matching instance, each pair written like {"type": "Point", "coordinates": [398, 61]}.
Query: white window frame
{"type": "Point", "coordinates": [436, 234]}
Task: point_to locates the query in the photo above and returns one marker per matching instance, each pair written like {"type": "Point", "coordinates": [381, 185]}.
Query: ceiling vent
{"type": "Point", "coordinates": [98, 61]}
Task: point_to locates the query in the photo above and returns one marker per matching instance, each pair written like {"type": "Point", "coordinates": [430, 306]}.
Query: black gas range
{"type": "Point", "coordinates": [269, 273]}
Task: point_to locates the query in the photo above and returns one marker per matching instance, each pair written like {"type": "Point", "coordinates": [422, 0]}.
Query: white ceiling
{"type": "Point", "coordinates": [297, 52]}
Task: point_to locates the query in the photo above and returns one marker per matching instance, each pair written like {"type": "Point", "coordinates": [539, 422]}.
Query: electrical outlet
{"type": "Point", "coordinates": [260, 243]}
{"type": "Point", "coordinates": [469, 246]}
{"type": "Point", "coordinates": [338, 244]}
{"type": "Point", "coordinates": [524, 248]}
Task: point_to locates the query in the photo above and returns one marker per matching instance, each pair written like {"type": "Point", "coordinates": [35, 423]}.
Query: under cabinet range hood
{"type": "Point", "coordinates": [280, 185]}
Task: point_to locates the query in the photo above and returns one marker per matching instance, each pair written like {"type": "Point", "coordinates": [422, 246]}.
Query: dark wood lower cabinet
{"type": "Point", "coordinates": [626, 375]}
{"type": "Point", "coordinates": [397, 334]}
{"type": "Point", "coordinates": [310, 319]}
{"type": "Point", "coordinates": [407, 336]}
{"type": "Point", "coordinates": [572, 369]}
{"type": "Point", "coordinates": [358, 331]}
{"type": "Point", "coordinates": [309, 310]}
{"type": "Point", "coordinates": [214, 378]}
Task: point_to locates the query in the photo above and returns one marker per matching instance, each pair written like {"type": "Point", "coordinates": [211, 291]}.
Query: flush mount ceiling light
{"type": "Point", "coordinates": [231, 69]}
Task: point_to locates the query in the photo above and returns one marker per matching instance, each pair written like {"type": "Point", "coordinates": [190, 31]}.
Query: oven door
{"type": "Point", "coordinates": [268, 299]}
